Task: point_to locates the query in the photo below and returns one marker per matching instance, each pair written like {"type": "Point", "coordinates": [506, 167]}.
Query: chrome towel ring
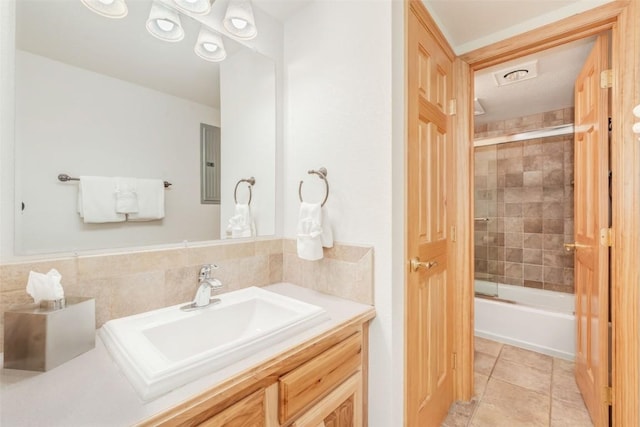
{"type": "Point", "coordinates": [322, 173]}
{"type": "Point", "coordinates": [251, 181]}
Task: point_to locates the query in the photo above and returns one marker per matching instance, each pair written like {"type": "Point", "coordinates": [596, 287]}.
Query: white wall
{"type": "Point", "coordinates": [69, 120]}
{"type": "Point", "coordinates": [248, 148]}
{"type": "Point", "coordinates": [338, 114]}
{"type": "Point", "coordinates": [7, 73]}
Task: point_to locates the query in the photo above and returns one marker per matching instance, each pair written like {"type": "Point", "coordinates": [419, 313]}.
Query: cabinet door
{"type": "Point", "coordinates": [341, 408]}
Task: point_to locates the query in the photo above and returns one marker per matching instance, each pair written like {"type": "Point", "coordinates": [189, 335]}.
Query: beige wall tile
{"type": "Point", "coordinates": [180, 284]}
{"type": "Point", "coordinates": [276, 268]}
{"type": "Point", "coordinates": [15, 276]}
{"type": "Point", "coordinates": [99, 288]}
{"type": "Point", "coordinates": [208, 254]}
{"type": "Point", "coordinates": [137, 293]}
{"type": "Point", "coordinates": [104, 266]}
{"type": "Point", "coordinates": [268, 247]}
{"type": "Point", "coordinates": [345, 271]}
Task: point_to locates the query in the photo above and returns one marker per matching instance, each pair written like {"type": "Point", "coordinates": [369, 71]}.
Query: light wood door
{"type": "Point", "coordinates": [429, 320]}
{"type": "Point", "coordinates": [591, 221]}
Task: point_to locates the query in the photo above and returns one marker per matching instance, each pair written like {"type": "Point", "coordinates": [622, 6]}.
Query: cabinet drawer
{"type": "Point", "coordinates": [249, 412]}
{"type": "Point", "coordinates": [315, 378]}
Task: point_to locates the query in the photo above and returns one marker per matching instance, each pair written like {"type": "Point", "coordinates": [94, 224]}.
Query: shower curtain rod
{"type": "Point", "coordinates": [523, 136]}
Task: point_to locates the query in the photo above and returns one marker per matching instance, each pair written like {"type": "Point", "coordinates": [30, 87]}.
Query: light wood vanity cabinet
{"type": "Point", "coordinates": [322, 382]}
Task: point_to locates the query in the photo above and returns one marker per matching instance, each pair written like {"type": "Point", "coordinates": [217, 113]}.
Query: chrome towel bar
{"type": "Point", "coordinates": [64, 178]}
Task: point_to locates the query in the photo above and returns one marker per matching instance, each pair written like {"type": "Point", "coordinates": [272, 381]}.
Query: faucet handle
{"type": "Point", "coordinates": [205, 270]}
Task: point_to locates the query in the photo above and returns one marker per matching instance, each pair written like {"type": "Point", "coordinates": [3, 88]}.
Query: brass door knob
{"type": "Point", "coordinates": [417, 264]}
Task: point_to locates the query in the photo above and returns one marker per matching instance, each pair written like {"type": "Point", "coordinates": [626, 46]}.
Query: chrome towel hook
{"type": "Point", "coordinates": [322, 173]}
{"type": "Point", "coordinates": [251, 181]}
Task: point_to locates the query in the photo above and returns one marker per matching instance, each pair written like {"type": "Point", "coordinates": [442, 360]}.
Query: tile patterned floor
{"type": "Point", "coordinates": [516, 387]}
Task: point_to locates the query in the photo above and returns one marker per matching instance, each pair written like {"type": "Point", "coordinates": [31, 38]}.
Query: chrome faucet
{"type": "Point", "coordinates": [206, 285]}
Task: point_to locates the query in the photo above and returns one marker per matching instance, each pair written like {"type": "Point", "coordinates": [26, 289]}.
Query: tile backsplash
{"type": "Point", "coordinates": [133, 282]}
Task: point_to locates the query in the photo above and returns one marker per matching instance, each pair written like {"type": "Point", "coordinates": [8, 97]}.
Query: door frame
{"type": "Point", "coordinates": [623, 19]}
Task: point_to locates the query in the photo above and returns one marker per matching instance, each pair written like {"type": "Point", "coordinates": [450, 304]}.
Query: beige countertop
{"type": "Point", "coordinates": [90, 390]}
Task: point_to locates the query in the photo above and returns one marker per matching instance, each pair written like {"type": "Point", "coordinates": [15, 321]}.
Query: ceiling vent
{"type": "Point", "coordinates": [516, 73]}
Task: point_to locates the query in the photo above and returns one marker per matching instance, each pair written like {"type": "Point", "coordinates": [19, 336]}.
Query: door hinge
{"type": "Point", "coordinates": [453, 107]}
{"type": "Point", "coordinates": [453, 233]}
{"type": "Point", "coordinates": [606, 79]}
{"type": "Point", "coordinates": [607, 396]}
{"type": "Point", "coordinates": [606, 238]}
{"type": "Point", "coordinates": [454, 361]}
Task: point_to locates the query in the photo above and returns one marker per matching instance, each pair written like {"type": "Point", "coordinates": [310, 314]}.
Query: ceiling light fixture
{"type": "Point", "coordinates": [209, 46]}
{"type": "Point", "coordinates": [515, 75]}
{"type": "Point", "coordinates": [198, 7]}
{"type": "Point", "coordinates": [164, 23]}
{"type": "Point", "coordinates": [239, 21]}
{"type": "Point", "coordinates": [108, 8]}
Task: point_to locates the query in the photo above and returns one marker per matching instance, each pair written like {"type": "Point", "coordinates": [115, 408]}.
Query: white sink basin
{"type": "Point", "coordinates": [162, 349]}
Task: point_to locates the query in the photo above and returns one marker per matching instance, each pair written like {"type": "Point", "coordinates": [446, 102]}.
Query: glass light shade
{"type": "Point", "coordinates": [239, 21]}
{"type": "Point", "coordinates": [210, 46]}
{"type": "Point", "coordinates": [108, 8]}
{"type": "Point", "coordinates": [164, 23]}
{"type": "Point", "coordinates": [198, 7]}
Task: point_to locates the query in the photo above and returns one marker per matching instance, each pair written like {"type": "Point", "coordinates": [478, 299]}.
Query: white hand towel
{"type": "Point", "coordinates": [309, 242]}
{"type": "Point", "coordinates": [241, 223]}
{"type": "Point", "coordinates": [126, 196]}
{"type": "Point", "coordinates": [150, 194]}
{"type": "Point", "coordinates": [97, 200]}
{"type": "Point", "coordinates": [45, 286]}
{"type": "Point", "coordinates": [327, 234]}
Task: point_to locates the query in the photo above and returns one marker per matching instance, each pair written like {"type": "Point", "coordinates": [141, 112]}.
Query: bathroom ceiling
{"type": "Point", "coordinates": [471, 24]}
{"type": "Point", "coordinates": [551, 90]}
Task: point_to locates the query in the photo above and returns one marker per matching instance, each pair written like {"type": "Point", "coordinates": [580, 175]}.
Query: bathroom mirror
{"type": "Point", "coordinates": [103, 97]}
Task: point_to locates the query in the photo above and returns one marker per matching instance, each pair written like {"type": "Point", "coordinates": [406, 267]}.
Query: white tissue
{"type": "Point", "coordinates": [45, 286]}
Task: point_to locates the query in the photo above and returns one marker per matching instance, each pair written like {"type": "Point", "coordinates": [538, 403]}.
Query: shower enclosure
{"type": "Point", "coordinates": [524, 213]}
{"type": "Point", "coordinates": [523, 216]}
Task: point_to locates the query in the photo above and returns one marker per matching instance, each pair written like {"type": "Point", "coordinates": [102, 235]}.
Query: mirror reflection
{"type": "Point", "coordinates": [103, 97]}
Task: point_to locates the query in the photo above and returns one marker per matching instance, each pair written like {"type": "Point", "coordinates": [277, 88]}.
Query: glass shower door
{"type": "Point", "coordinates": [487, 235]}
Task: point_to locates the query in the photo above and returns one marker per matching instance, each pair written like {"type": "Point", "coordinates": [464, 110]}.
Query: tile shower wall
{"type": "Point", "coordinates": [525, 190]}
{"type": "Point", "coordinates": [133, 282]}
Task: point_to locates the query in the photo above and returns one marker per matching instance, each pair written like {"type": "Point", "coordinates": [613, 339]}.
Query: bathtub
{"type": "Point", "coordinates": [535, 319]}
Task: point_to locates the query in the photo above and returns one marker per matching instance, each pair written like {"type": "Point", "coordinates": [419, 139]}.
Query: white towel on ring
{"type": "Point", "coordinates": [314, 232]}
{"type": "Point", "coordinates": [241, 223]}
